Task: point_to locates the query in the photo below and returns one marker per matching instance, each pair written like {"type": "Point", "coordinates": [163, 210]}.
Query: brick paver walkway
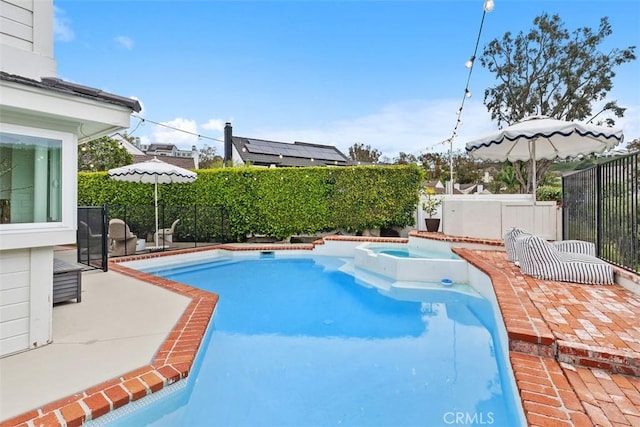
{"type": "Point", "coordinates": [574, 349]}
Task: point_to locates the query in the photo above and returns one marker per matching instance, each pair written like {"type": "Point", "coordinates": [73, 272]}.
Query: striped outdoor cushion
{"type": "Point", "coordinates": [540, 259]}
{"type": "Point", "coordinates": [510, 242]}
{"type": "Point", "coordinates": [576, 247]}
{"type": "Point", "coordinates": [573, 246]}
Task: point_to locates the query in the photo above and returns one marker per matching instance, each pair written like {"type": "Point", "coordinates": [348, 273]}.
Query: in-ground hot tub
{"type": "Point", "coordinates": [420, 260]}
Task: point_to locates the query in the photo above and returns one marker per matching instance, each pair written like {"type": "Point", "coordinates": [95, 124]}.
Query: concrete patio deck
{"type": "Point", "coordinates": [575, 349]}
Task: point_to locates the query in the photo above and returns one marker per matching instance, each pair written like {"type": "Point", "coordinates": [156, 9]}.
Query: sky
{"type": "Point", "coordinates": [389, 74]}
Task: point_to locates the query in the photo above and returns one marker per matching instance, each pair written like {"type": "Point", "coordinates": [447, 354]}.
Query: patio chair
{"type": "Point", "coordinates": [569, 246]}
{"type": "Point", "coordinates": [121, 240]}
{"type": "Point", "coordinates": [164, 237]}
{"type": "Point", "coordinates": [88, 241]}
{"type": "Point", "coordinates": [542, 260]}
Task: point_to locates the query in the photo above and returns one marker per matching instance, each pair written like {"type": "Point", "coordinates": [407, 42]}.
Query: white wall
{"type": "Point", "coordinates": [25, 299]}
{"type": "Point", "coordinates": [26, 38]}
{"type": "Point", "coordinates": [489, 216]}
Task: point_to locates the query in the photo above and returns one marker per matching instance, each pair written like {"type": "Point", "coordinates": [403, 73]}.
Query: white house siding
{"type": "Point", "coordinates": [26, 28]}
{"type": "Point", "coordinates": [25, 289]}
{"type": "Point", "coordinates": [16, 23]}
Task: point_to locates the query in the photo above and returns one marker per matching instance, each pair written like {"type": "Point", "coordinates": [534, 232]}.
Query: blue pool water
{"type": "Point", "coordinates": [411, 253]}
{"type": "Point", "coordinates": [295, 342]}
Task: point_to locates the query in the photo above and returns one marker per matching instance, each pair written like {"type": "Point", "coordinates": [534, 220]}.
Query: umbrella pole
{"type": "Point", "coordinates": [155, 236]}
{"type": "Point", "coordinates": [533, 179]}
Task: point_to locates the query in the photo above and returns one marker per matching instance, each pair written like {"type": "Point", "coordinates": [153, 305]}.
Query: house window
{"type": "Point", "coordinates": [30, 179]}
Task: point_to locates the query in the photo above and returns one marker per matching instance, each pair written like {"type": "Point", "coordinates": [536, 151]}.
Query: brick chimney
{"type": "Point", "coordinates": [228, 133]}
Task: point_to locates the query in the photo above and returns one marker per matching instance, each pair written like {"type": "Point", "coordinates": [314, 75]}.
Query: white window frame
{"type": "Point", "coordinates": [68, 184]}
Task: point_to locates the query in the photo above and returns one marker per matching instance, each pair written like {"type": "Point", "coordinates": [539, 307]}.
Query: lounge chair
{"type": "Point", "coordinates": [164, 237]}
{"type": "Point", "coordinates": [121, 240]}
{"type": "Point", "coordinates": [569, 246]}
{"type": "Point", "coordinates": [542, 260]}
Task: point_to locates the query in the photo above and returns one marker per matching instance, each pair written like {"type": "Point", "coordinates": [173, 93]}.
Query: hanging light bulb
{"type": "Point", "coordinates": [469, 63]}
{"type": "Point", "coordinates": [459, 111]}
{"type": "Point", "coordinates": [467, 93]}
{"type": "Point", "coordinates": [488, 5]}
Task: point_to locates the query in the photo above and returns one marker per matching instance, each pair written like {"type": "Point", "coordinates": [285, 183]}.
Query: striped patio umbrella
{"type": "Point", "coordinates": [155, 172]}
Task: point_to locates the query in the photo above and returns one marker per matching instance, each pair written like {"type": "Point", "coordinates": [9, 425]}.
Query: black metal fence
{"type": "Point", "coordinates": [91, 237]}
{"type": "Point", "coordinates": [602, 205]}
{"type": "Point", "coordinates": [127, 230]}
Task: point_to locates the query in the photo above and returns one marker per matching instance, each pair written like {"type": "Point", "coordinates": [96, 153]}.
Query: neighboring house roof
{"type": "Point", "coordinates": [131, 149]}
{"type": "Point", "coordinates": [183, 162]}
{"type": "Point", "coordinates": [161, 147]}
{"type": "Point", "coordinates": [264, 153]}
{"type": "Point", "coordinates": [467, 188]}
{"type": "Point", "coordinates": [435, 184]}
{"type": "Point", "coordinates": [59, 85]}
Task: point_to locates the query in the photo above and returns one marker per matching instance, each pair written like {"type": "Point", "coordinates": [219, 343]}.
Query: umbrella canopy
{"type": "Point", "coordinates": [155, 172]}
{"type": "Point", "coordinates": [540, 137]}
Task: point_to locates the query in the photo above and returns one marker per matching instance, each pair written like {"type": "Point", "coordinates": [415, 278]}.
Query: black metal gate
{"type": "Point", "coordinates": [199, 226]}
{"type": "Point", "coordinates": [91, 240]}
{"type": "Point", "coordinates": [602, 205]}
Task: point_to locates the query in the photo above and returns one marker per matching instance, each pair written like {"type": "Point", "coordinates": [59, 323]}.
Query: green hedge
{"type": "Point", "coordinates": [277, 202]}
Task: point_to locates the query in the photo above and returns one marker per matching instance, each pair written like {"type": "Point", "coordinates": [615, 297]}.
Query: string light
{"type": "Point", "coordinates": [469, 63]}
{"type": "Point", "coordinates": [488, 7]}
{"type": "Point", "coordinates": [199, 136]}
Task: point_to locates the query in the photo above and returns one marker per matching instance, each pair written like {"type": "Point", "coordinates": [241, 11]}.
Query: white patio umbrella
{"type": "Point", "coordinates": [540, 137]}
{"type": "Point", "coordinates": [155, 172]}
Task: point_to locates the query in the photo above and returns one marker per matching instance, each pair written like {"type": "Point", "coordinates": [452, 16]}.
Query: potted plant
{"type": "Point", "coordinates": [430, 206]}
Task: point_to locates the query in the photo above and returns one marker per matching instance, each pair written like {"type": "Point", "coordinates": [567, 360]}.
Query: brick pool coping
{"type": "Point", "coordinates": [564, 377]}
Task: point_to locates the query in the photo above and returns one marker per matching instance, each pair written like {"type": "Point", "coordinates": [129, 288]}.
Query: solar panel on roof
{"type": "Point", "coordinates": [292, 150]}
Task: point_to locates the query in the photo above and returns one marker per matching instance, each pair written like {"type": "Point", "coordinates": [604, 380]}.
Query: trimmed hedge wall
{"type": "Point", "coordinates": [279, 202]}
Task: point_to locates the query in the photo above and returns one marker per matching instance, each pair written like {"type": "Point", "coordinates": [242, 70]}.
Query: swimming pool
{"type": "Point", "coordinates": [295, 341]}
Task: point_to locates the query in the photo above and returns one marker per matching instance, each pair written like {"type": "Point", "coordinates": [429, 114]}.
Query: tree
{"type": "Point", "coordinates": [467, 171]}
{"type": "Point", "coordinates": [207, 158]}
{"type": "Point", "coordinates": [405, 159]}
{"type": "Point", "coordinates": [436, 166]}
{"type": "Point", "coordinates": [552, 72]}
{"type": "Point", "coordinates": [634, 145]}
{"type": "Point", "coordinates": [102, 154]}
{"type": "Point", "coordinates": [359, 152]}
{"type": "Point", "coordinates": [506, 181]}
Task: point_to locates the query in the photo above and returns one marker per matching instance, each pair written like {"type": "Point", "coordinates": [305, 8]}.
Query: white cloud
{"type": "Point", "coordinates": [182, 132]}
{"type": "Point", "coordinates": [62, 26]}
{"type": "Point", "coordinates": [214, 124]}
{"type": "Point", "coordinates": [410, 127]}
{"type": "Point", "coordinates": [124, 41]}
{"type": "Point", "coordinates": [167, 135]}
{"type": "Point", "coordinates": [630, 123]}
